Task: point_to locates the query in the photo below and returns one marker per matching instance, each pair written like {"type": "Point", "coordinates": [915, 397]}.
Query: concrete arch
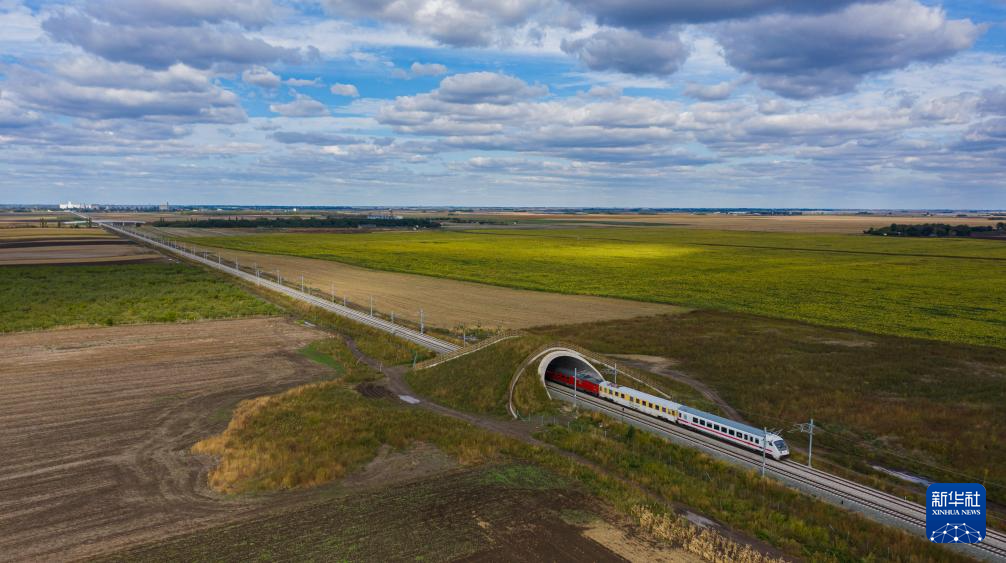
{"type": "Point", "coordinates": [545, 357]}
{"type": "Point", "coordinates": [568, 359]}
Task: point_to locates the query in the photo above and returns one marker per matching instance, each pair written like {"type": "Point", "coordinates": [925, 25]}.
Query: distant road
{"type": "Point", "coordinates": [420, 338]}
{"type": "Point", "coordinates": [881, 506]}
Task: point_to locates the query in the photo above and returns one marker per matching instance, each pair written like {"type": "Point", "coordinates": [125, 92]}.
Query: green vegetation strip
{"type": "Point", "coordinates": [948, 289]}
{"type": "Point", "coordinates": [42, 297]}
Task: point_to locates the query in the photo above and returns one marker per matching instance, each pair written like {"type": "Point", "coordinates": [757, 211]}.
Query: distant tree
{"type": "Point", "coordinates": [931, 230]}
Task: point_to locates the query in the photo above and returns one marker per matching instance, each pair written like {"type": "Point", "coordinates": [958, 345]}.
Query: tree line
{"type": "Point", "coordinates": [934, 230]}
{"type": "Point", "coordinates": [331, 221]}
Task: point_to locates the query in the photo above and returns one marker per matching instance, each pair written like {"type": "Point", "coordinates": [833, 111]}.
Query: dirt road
{"type": "Point", "coordinates": [96, 424]}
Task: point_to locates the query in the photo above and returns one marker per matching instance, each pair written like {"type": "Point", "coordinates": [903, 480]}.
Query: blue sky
{"type": "Point", "coordinates": [663, 103]}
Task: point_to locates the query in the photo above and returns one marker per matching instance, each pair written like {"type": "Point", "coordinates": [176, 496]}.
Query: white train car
{"type": "Point", "coordinates": [732, 431]}
{"type": "Point", "coordinates": [639, 401]}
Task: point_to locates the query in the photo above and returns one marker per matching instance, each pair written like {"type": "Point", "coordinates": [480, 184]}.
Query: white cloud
{"type": "Point", "coordinates": [301, 106]}
{"type": "Point", "coordinates": [629, 51]}
{"type": "Point", "coordinates": [804, 56]}
{"type": "Point", "coordinates": [302, 82]}
{"type": "Point", "coordinates": [427, 69]}
{"type": "Point", "coordinates": [260, 76]}
{"type": "Point", "coordinates": [348, 90]}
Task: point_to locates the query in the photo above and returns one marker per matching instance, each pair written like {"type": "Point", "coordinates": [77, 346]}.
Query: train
{"type": "Point", "coordinates": [723, 429]}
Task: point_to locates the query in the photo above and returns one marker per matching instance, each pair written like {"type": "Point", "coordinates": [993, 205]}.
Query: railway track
{"type": "Point", "coordinates": [831, 487]}
{"type": "Point", "coordinates": [420, 338]}
{"type": "Point", "coordinates": [908, 514]}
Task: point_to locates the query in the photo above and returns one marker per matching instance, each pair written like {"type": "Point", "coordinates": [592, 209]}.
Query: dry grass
{"type": "Point", "coordinates": [446, 303]}
{"type": "Point", "coordinates": [318, 433]}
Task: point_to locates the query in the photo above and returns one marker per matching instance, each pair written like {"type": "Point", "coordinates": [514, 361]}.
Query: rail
{"type": "Point", "coordinates": [420, 338]}
{"type": "Point", "coordinates": [480, 345]}
{"type": "Point", "coordinates": [882, 506]}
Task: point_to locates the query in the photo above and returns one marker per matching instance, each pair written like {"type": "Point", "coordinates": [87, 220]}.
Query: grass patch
{"type": "Point", "coordinates": [911, 287]}
{"type": "Point", "coordinates": [523, 477]}
{"type": "Point", "coordinates": [318, 433]}
{"type": "Point", "coordinates": [479, 382]}
{"type": "Point", "coordinates": [929, 408]}
{"type": "Point", "coordinates": [318, 352]}
{"type": "Point", "coordinates": [43, 297]}
{"type": "Point", "coordinates": [333, 352]}
{"type": "Point", "coordinates": [795, 523]}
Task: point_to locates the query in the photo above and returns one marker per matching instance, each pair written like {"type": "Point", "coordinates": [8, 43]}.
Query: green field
{"type": "Point", "coordinates": [42, 297]}
{"type": "Point", "coordinates": [942, 289]}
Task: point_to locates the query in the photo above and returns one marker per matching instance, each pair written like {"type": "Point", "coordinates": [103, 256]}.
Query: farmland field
{"type": "Point", "coordinates": [951, 290]}
{"type": "Point", "coordinates": [469, 515]}
{"type": "Point", "coordinates": [809, 223]}
{"type": "Point", "coordinates": [95, 425]}
{"type": "Point", "coordinates": [40, 297]}
{"type": "Point", "coordinates": [445, 303]}
{"type": "Point", "coordinates": [36, 245]}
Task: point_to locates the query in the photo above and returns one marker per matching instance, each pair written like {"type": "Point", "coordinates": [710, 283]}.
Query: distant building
{"type": "Point", "coordinates": [164, 207]}
{"type": "Point", "coordinates": [386, 216]}
{"type": "Point", "coordinates": [72, 205]}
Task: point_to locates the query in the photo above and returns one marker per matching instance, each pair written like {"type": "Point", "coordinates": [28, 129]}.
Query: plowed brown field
{"type": "Point", "coordinates": [96, 426]}
{"type": "Point", "coordinates": [25, 246]}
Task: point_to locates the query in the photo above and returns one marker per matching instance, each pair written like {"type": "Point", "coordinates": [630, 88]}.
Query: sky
{"type": "Point", "coordinates": [573, 103]}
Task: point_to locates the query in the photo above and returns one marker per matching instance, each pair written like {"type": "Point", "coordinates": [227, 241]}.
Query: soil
{"type": "Point", "coordinates": [96, 426]}
{"type": "Point", "coordinates": [464, 515]}
{"type": "Point", "coordinates": [374, 391]}
{"type": "Point", "coordinates": [445, 303]}
{"type": "Point", "coordinates": [70, 247]}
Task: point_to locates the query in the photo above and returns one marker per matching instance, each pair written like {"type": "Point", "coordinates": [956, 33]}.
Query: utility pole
{"type": "Point", "coordinates": [574, 387]}
{"type": "Point", "coordinates": [422, 324]}
{"type": "Point", "coordinates": [302, 284]}
{"type": "Point", "coordinates": [344, 301]}
{"type": "Point", "coordinates": [808, 427]}
{"type": "Point", "coordinates": [464, 336]}
{"type": "Point", "coordinates": [392, 317]}
{"type": "Point", "coordinates": [764, 449]}
{"type": "Point", "coordinates": [333, 292]}
{"type": "Point", "coordinates": [371, 305]}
